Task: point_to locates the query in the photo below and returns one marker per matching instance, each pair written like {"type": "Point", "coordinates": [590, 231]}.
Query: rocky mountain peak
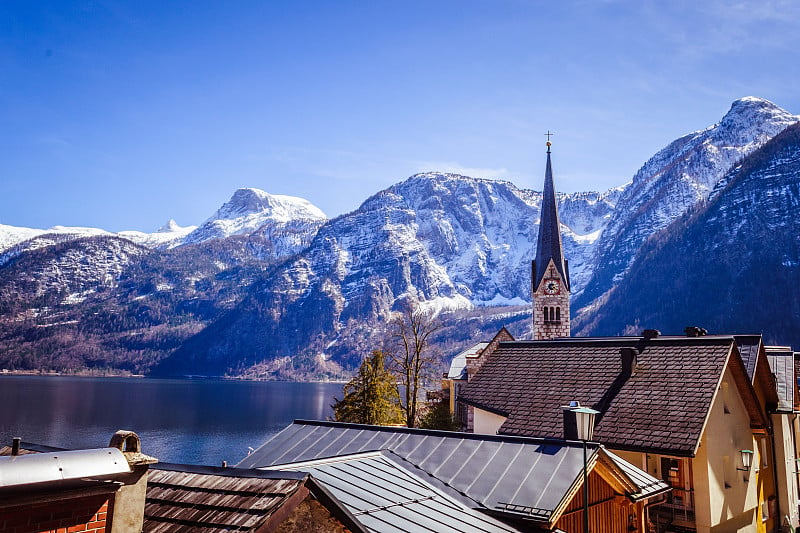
{"type": "Point", "coordinates": [753, 120]}
{"type": "Point", "coordinates": [753, 109]}
{"type": "Point", "coordinates": [169, 227]}
{"type": "Point", "coordinates": [249, 201]}
{"type": "Point", "coordinates": [250, 209]}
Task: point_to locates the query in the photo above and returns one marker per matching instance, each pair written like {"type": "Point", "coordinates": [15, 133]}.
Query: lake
{"type": "Point", "coordinates": [179, 421]}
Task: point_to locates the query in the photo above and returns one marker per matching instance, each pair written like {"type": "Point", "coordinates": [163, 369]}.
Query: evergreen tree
{"type": "Point", "coordinates": [437, 416]}
{"type": "Point", "coordinates": [371, 397]}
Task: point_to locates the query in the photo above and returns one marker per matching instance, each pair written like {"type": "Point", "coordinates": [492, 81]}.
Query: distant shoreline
{"type": "Point", "coordinates": [85, 374]}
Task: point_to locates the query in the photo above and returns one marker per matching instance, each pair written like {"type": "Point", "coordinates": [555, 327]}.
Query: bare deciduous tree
{"type": "Point", "coordinates": [413, 359]}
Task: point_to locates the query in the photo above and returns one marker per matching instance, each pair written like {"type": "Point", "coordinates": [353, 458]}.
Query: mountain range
{"type": "Point", "coordinates": [269, 287]}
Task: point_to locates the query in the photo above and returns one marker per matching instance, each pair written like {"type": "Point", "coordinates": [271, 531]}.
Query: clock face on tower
{"type": "Point", "coordinates": [552, 286]}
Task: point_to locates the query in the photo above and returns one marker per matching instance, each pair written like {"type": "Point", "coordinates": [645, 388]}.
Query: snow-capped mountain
{"type": "Point", "coordinates": [269, 278]}
{"type": "Point", "coordinates": [251, 209]}
{"type": "Point", "coordinates": [733, 265]}
{"type": "Point", "coordinates": [167, 236]}
{"type": "Point", "coordinates": [676, 179]}
{"type": "Point", "coordinates": [16, 237]}
{"type": "Point", "coordinates": [15, 240]}
{"type": "Point", "coordinates": [450, 242]}
{"type": "Point", "coordinates": [66, 272]}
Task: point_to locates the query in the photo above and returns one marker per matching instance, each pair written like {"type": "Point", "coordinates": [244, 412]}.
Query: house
{"type": "Point", "coordinates": [44, 489]}
{"type": "Point", "coordinates": [425, 480]}
{"type": "Point", "coordinates": [120, 490]}
{"type": "Point", "coordinates": [462, 367]}
{"type": "Point", "coordinates": [700, 412]}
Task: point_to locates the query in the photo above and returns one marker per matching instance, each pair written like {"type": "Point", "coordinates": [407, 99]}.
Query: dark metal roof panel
{"type": "Point", "coordinates": [384, 496]}
{"type": "Point", "coordinates": [489, 470]}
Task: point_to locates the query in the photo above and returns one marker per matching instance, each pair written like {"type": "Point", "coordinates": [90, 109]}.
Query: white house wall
{"type": "Point", "coordinates": [487, 423]}
{"type": "Point", "coordinates": [732, 502]}
{"type": "Point", "coordinates": [784, 427]}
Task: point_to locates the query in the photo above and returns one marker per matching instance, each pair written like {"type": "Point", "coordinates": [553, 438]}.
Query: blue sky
{"type": "Point", "coordinates": [122, 115]}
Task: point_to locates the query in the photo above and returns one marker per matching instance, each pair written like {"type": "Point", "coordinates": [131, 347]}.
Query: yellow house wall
{"type": "Point", "coordinates": [784, 430]}
{"type": "Point", "coordinates": [732, 507]}
{"type": "Point", "coordinates": [487, 423]}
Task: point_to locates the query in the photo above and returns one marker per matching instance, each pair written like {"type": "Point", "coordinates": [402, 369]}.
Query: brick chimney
{"type": "Point", "coordinates": [128, 507]}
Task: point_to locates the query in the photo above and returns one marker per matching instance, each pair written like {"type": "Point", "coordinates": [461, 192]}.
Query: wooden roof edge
{"type": "Point", "coordinates": [286, 509]}
{"type": "Point", "coordinates": [230, 471]}
{"type": "Point", "coordinates": [758, 417]}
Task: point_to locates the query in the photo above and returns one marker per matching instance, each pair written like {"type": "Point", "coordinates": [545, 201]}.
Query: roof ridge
{"type": "Point", "coordinates": [444, 434]}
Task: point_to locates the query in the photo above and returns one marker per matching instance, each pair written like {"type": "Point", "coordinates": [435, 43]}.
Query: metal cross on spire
{"type": "Point", "coordinates": [548, 135]}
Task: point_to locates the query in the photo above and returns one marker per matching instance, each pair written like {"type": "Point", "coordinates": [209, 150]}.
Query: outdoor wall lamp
{"type": "Point", "coordinates": [747, 458]}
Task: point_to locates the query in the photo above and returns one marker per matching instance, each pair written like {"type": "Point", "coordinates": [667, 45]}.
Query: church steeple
{"type": "Point", "coordinates": [548, 245]}
{"type": "Point", "coordinates": [550, 271]}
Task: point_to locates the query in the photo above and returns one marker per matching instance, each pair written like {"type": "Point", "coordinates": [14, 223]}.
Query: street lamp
{"type": "Point", "coordinates": [747, 458]}
{"type": "Point", "coordinates": [584, 419]}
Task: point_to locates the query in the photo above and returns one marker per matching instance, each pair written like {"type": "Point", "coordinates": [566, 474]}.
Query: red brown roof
{"type": "Point", "coordinates": [661, 407]}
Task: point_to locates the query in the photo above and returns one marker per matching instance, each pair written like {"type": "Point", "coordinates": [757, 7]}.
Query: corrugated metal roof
{"type": "Point", "coordinates": [386, 497]}
{"type": "Point", "coordinates": [781, 363]}
{"type": "Point", "coordinates": [184, 498]}
{"type": "Point", "coordinates": [61, 466]}
{"type": "Point", "coordinates": [458, 366]}
{"type": "Point", "coordinates": [489, 471]}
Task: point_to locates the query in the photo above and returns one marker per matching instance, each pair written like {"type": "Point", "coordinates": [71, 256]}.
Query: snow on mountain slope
{"type": "Point", "coordinates": [250, 209]}
{"type": "Point", "coordinates": [15, 241]}
{"type": "Point", "coordinates": [737, 259]}
{"type": "Point", "coordinates": [450, 242]}
{"type": "Point", "coordinates": [677, 178]}
{"type": "Point", "coordinates": [167, 236]}
{"type": "Point", "coordinates": [67, 271]}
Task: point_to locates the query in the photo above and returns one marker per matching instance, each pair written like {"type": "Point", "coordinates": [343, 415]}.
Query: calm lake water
{"type": "Point", "coordinates": [179, 421]}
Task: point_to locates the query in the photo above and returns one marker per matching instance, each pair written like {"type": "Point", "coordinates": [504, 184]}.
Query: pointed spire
{"type": "Point", "coordinates": [548, 245]}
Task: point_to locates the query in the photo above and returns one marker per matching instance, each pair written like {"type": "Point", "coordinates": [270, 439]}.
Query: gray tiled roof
{"type": "Point", "coordinates": [209, 499]}
{"type": "Point", "coordinates": [781, 363]}
{"type": "Point", "coordinates": [386, 497]}
{"type": "Point", "coordinates": [485, 471]}
{"type": "Point", "coordinates": [662, 407]}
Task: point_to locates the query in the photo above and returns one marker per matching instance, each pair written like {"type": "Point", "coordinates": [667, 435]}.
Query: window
{"type": "Point", "coordinates": [726, 471]}
{"type": "Point", "coordinates": [558, 313]}
{"type": "Point", "coordinates": [763, 451]}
